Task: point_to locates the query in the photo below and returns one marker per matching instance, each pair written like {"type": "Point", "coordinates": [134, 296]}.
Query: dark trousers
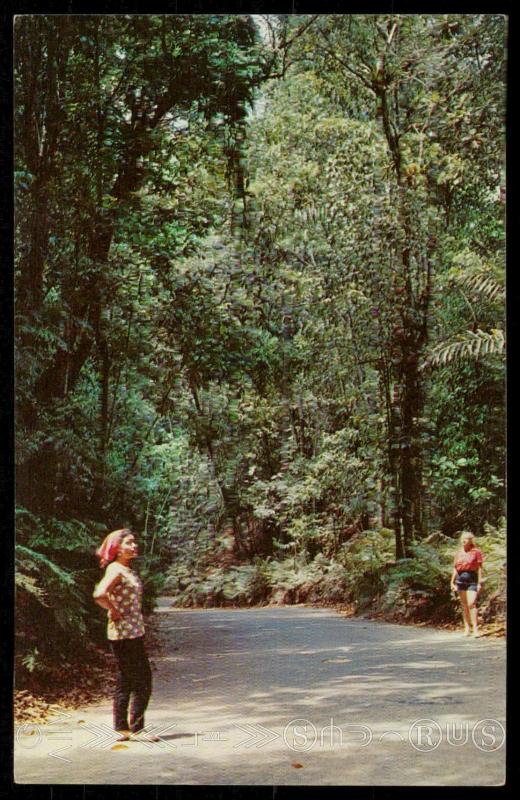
{"type": "Point", "coordinates": [134, 680]}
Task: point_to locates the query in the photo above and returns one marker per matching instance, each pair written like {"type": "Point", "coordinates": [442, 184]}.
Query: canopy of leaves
{"type": "Point", "coordinates": [259, 301]}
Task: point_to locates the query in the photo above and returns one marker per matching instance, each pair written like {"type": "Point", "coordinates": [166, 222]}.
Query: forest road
{"type": "Point", "coordinates": [293, 696]}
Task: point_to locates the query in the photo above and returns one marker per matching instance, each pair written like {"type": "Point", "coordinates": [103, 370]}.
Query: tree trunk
{"type": "Point", "coordinates": [226, 497]}
{"type": "Point", "coordinates": [412, 405]}
{"type": "Point", "coordinates": [103, 358]}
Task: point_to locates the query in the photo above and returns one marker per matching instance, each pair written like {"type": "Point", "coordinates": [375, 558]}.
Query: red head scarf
{"type": "Point", "coordinates": [107, 551]}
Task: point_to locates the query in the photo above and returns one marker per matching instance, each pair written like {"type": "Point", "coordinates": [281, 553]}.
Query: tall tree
{"type": "Point", "coordinates": [95, 98]}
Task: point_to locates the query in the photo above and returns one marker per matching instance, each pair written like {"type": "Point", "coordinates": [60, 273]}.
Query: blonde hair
{"type": "Point", "coordinates": [467, 535]}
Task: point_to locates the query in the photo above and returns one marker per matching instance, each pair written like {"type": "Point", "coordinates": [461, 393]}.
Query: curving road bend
{"type": "Point", "coordinates": [293, 696]}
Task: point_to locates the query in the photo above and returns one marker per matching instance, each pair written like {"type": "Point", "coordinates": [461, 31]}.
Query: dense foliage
{"type": "Point", "coordinates": [361, 576]}
{"type": "Point", "coordinates": [259, 304]}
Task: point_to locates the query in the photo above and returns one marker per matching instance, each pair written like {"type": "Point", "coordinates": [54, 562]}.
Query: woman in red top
{"type": "Point", "coordinates": [466, 578]}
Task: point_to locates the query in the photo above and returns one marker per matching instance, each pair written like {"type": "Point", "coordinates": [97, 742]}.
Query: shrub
{"type": "Point", "coordinates": [364, 573]}
{"type": "Point", "coordinates": [57, 621]}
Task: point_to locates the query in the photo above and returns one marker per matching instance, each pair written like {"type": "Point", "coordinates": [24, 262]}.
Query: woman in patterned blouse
{"type": "Point", "coordinates": [120, 592]}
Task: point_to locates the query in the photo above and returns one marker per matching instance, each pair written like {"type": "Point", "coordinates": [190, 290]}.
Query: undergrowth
{"type": "Point", "coordinates": [364, 574]}
{"type": "Point", "coordinates": [58, 625]}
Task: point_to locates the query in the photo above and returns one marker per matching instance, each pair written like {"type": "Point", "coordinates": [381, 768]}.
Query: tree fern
{"type": "Point", "coordinates": [61, 593]}
{"type": "Point", "coordinates": [468, 345]}
{"type": "Point", "coordinates": [31, 560]}
{"type": "Point", "coordinates": [27, 583]}
{"type": "Point", "coordinates": [483, 283]}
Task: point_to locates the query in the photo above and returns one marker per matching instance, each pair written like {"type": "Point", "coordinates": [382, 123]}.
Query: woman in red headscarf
{"type": "Point", "coordinates": [120, 592]}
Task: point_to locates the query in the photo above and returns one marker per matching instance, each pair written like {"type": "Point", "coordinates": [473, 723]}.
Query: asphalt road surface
{"type": "Point", "coordinates": [293, 696]}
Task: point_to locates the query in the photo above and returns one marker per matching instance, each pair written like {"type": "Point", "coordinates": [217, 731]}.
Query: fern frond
{"type": "Point", "coordinates": [470, 345]}
{"type": "Point", "coordinates": [484, 284]}
{"type": "Point", "coordinates": [28, 584]}
{"type": "Point", "coordinates": [27, 558]}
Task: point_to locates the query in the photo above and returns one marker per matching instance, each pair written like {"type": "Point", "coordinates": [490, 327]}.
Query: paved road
{"type": "Point", "coordinates": [294, 696]}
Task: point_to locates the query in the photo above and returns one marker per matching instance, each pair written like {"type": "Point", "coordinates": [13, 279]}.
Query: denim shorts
{"type": "Point", "coordinates": [467, 581]}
